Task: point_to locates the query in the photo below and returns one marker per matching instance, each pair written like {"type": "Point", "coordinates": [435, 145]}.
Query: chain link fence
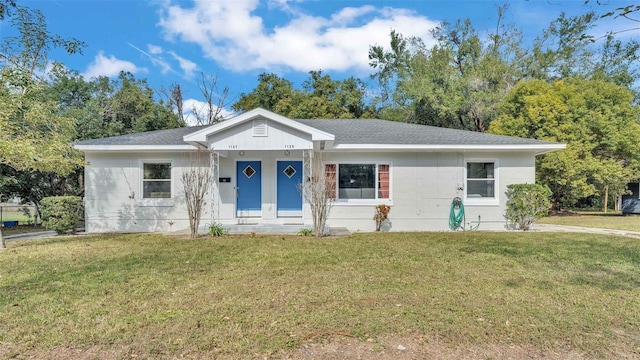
{"type": "Point", "coordinates": [17, 214]}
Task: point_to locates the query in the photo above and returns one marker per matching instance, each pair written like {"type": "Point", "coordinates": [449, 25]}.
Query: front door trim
{"type": "Point", "coordinates": [288, 204]}
{"type": "Point", "coordinates": [248, 189]}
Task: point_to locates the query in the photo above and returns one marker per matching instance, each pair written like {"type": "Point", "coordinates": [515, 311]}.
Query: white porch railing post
{"type": "Point", "coordinates": [215, 188]}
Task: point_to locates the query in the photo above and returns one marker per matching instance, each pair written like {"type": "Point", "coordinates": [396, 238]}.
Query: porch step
{"type": "Point", "coordinates": [292, 228]}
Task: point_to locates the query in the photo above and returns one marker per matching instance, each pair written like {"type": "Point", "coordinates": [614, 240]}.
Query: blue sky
{"type": "Point", "coordinates": [169, 41]}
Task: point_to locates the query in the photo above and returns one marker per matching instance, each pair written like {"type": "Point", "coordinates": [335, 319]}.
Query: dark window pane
{"type": "Point", "coordinates": [480, 170]}
{"type": "Point", "coordinates": [157, 171]}
{"type": "Point", "coordinates": [480, 188]}
{"type": "Point", "coordinates": [356, 181]}
{"type": "Point", "coordinates": [156, 189]}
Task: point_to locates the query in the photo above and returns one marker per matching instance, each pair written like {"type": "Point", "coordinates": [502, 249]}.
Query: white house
{"type": "Point", "coordinates": [133, 182]}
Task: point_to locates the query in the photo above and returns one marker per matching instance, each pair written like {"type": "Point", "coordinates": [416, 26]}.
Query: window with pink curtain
{"type": "Point", "coordinates": [383, 181]}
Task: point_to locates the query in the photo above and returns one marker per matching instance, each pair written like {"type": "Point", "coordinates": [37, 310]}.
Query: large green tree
{"type": "Point", "coordinates": [455, 83]}
{"type": "Point", "coordinates": [109, 107]}
{"type": "Point", "coordinates": [320, 97]}
{"type": "Point", "coordinates": [271, 91]}
{"type": "Point", "coordinates": [460, 81]}
{"type": "Point", "coordinates": [5, 8]}
{"type": "Point", "coordinates": [597, 121]}
{"type": "Point", "coordinates": [33, 133]}
{"type": "Point", "coordinates": [100, 107]}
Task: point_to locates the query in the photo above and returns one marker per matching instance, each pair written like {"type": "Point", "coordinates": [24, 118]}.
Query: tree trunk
{"type": "Point", "coordinates": [606, 198]}
{"type": "Point", "coordinates": [3, 245]}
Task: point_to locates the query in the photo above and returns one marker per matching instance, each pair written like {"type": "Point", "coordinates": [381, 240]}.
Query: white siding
{"type": "Point", "coordinates": [423, 184]}
{"type": "Point", "coordinates": [113, 195]}
{"type": "Point", "coordinates": [243, 137]}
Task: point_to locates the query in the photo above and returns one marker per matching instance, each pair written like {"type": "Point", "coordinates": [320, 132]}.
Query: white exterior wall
{"type": "Point", "coordinates": [113, 194]}
{"type": "Point", "coordinates": [242, 137]}
{"type": "Point", "coordinates": [423, 185]}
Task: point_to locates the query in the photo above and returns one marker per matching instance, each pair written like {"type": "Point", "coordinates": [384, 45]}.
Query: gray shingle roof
{"type": "Point", "coordinates": [375, 131]}
{"type": "Point", "coordinates": [346, 131]}
{"type": "Point", "coordinates": [158, 137]}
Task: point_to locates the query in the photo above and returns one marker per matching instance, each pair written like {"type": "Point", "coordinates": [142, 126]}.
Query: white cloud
{"type": "Point", "coordinates": [109, 66]}
{"type": "Point", "coordinates": [187, 66]}
{"type": "Point", "coordinates": [154, 49]}
{"type": "Point", "coordinates": [284, 5]}
{"type": "Point", "coordinates": [349, 14]}
{"type": "Point", "coordinates": [155, 60]}
{"type": "Point", "coordinates": [154, 54]}
{"type": "Point", "coordinates": [230, 33]}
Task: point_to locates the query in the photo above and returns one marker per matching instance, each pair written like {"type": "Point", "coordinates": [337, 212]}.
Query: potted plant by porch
{"type": "Point", "coordinates": [382, 215]}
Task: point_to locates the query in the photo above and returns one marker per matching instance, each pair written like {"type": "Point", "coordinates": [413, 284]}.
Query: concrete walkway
{"type": "Point", "coordinates": [582, 229]}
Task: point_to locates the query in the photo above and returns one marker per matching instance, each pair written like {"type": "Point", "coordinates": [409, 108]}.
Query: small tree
{"type": "Point", "coordinates": [215, 100]}
{"type": "Point", "coordinates": [196, 180]}
{"type": "Point", "coordinates": [319, 190]}
{"type": "Point", "coordinates": [527, 202]}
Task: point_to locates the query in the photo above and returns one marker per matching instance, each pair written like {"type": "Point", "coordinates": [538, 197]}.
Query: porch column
{"type": "Point", "coordinates": [307, 165]}
{"type": "Point", "coordinates": [214, 162]}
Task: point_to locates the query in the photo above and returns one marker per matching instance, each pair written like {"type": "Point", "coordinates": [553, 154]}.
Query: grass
{"type": "Point", "coordinates": [251, 297]}
{"type": "Point", "coordinates": [15, 215]}
{"type": "Point", "coordinates": [611, 220]}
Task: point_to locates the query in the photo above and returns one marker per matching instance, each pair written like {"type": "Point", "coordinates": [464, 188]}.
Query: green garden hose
{"type": "Point", "coordinates": [456, 218]}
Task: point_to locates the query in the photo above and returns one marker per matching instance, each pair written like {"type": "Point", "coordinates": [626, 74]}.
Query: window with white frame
{"type": "Point", "coordinates": [361, 181]}
{"type": "Point", "coordinates": [481, 180]}
{"type": "Point", "coordinates": [156, 180]}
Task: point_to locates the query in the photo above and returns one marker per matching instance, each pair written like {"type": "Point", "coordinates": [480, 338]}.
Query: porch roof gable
{"type": "Point", "coordinates": [201, 135]}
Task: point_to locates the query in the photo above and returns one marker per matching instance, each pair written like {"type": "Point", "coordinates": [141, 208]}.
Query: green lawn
{"type": "Point", "coordinates": [235, 297]}
{"type": "Point", "coordinates": [596, 219]}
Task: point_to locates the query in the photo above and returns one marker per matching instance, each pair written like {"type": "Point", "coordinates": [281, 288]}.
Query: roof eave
{"type": "Point", "coordinates": [87, 148]}
{"type": "Point", "coordinates": [537, 148]}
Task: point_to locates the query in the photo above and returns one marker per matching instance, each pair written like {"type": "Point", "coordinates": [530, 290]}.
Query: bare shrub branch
{"type": "Point", "coordinates": [196, 180]}
{"type": "Point", "coordinates": [319, 190]}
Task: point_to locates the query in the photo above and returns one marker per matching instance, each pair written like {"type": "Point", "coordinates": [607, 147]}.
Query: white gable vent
{"type": "Point", "coordinates": [260, 127]}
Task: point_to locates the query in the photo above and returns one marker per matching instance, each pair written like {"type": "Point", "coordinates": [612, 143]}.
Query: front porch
{"type": "Point", "coordinates": [260, 164]}
{"type": "Point", "coordinates": [260, 188]}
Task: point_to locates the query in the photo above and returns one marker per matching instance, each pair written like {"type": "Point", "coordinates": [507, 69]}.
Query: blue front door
{"type": "Point", "coordinates": [249, 188]}
{"type": "Point", "coordinates": [289, 201]}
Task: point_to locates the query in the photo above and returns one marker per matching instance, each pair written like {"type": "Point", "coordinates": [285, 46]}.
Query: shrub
{"type": "Point", "coordinates": [305, 232]}
{"type": "Point", "coordinates": [526, 203]}
{"type": "Point", "coordinates": [61, 213]}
